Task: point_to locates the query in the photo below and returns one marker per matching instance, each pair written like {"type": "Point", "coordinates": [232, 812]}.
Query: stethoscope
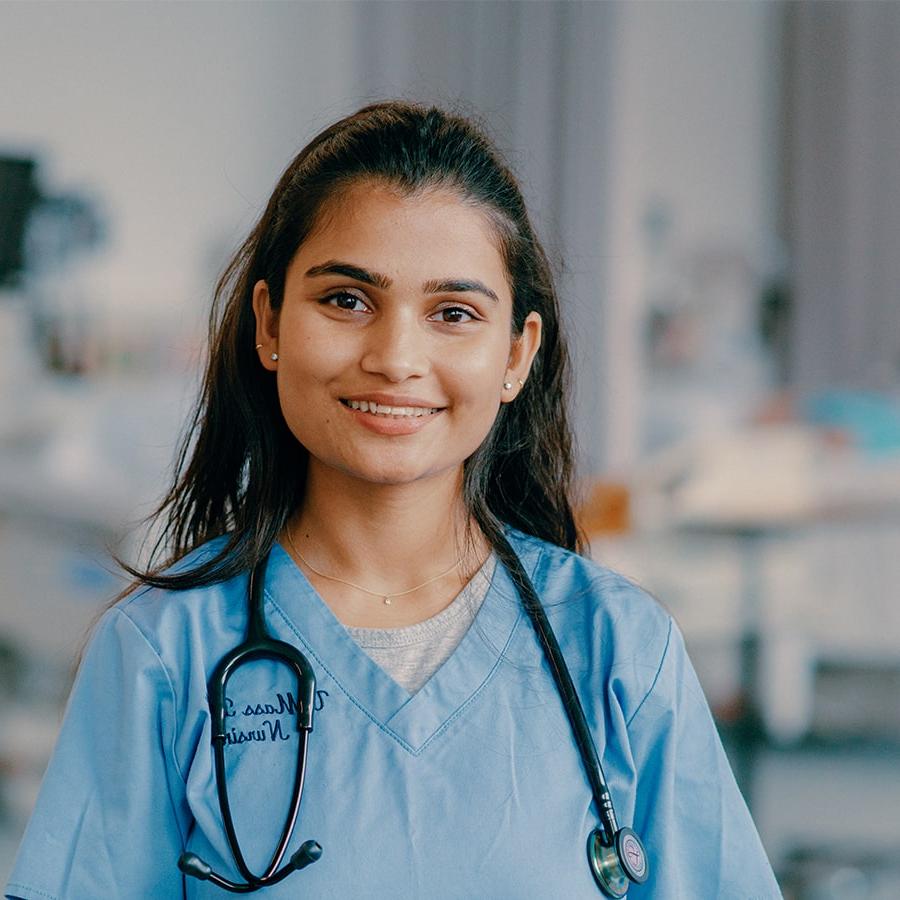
{"type": "Point", "coordinates": [616, 855]}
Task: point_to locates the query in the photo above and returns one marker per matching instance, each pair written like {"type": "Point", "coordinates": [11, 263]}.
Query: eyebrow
{"type": "Point", "coordinates": [376, 279]}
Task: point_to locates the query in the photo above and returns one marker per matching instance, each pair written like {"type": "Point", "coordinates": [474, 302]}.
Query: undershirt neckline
{"type": "Point", "coordinates": [465, 604]}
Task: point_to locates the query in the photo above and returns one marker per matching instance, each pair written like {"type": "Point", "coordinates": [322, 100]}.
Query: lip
{"type": "Point", "coordinates": [390, 425]}
{"type": "Point", "coordinates": [394, 400]}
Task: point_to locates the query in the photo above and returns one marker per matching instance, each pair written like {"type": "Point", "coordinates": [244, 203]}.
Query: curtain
{"type": "Point", "coordinates": [843, 193]}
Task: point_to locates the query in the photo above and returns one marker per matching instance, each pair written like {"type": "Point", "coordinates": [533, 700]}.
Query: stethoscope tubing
{"type": "Point", "coordinates": [564, 685]}
{"type": "Point", "coordinates": [259, 644]}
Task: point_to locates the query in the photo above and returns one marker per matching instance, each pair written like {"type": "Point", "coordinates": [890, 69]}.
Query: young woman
{"type": "Point", "coordinates": [380, 469]}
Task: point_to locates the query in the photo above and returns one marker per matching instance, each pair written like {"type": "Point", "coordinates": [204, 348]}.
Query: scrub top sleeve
{"type": "Point", "coordinates": [700, 839]}
{"type": "Point", "coordinates": [111, 814]}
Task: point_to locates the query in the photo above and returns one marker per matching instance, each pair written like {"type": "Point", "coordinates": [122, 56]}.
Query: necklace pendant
{"type": "Point", "coordinates": [387, 601]}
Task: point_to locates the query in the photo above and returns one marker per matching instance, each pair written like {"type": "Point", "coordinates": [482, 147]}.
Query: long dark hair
{"type": "Point", "coordinates": [241, 473]}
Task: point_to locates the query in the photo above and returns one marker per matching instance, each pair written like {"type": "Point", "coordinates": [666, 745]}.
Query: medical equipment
{"type": "Point", "coordinates": [616, 855]}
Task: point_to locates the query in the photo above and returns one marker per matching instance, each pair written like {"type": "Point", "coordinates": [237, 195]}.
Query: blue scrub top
{"type": "Point", "coordinates": [472, 787]}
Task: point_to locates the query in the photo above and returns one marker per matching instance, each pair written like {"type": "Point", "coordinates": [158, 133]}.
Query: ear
{"type": "Point", "coordinates": [266, 325]}
{"type": "Point", "coordinates": [524, 348]}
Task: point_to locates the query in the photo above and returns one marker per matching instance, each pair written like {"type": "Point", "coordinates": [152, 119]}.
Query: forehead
{"type": "Point", "coordinates": [426, 235]}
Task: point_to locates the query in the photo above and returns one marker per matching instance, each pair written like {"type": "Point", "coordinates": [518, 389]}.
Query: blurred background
{"type": "Point", "coordinates": [719, 186]}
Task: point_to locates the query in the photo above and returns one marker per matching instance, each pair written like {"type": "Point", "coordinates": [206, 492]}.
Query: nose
{"type": "Point", "coordinates": [397, 347]}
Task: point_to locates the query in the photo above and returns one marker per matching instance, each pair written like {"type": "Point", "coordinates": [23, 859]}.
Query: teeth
{"type": "Point", "coordinates": [380, 410]}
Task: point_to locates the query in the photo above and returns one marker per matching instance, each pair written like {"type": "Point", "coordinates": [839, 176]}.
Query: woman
{"type": "Point", "coordinates": [383, 426]}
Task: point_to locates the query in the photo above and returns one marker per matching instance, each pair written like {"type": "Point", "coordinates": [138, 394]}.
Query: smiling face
{"type": "Point", "coordinates": [398, 305]}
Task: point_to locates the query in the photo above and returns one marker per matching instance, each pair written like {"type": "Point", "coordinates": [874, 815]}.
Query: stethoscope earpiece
{"type": "Point", "coordinates": [308, 853]}
{"type": "Point", "coordinates": [192, 865]}
{"type": "Point", "coordinates": [615, 866]}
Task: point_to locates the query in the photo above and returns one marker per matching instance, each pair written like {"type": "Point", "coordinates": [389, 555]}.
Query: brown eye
{"type": "Point", "coordinates": [345, 301]}
{"type": "Point", "coordinates": [455, 315]}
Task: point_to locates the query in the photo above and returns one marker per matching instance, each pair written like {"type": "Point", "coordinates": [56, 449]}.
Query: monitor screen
{"type": "Point", "coordinates": [18, 194]}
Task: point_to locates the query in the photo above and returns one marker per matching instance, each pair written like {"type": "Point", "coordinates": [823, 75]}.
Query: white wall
{"type": "Point", "coordinates": [178, 116]}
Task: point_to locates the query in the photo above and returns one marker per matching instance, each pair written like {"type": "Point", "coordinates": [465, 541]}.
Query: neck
{"type": "Point", "coordinates": [385, 537]}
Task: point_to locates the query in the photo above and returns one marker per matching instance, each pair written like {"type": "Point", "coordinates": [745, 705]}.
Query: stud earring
{"type": "Point", "coordinates": [507, 385]}
{"type": "Point", "coordinates": [258, 346]}
{"type": "Point", "coordinates": [521, 383]}
{"type": "Point", "coordinates": [273, 357]}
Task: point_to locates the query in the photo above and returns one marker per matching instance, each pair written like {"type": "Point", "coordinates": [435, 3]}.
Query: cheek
{"type": "Point", "coordinates": [306, 366]}
{"type": "Point", "coordinates": [309, 357]}
{"type": "Point", "coordinates": [479, 373]}
{"type": "Point", "coordinates": [476, 385]}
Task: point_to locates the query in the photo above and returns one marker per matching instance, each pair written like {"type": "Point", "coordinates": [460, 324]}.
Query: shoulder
{"type": "Point", "coordinates": [167, 619]}
{"type": "Point", "coordinates": [577, 586]}
{"type": "Point", "coordinates": [606, 623]}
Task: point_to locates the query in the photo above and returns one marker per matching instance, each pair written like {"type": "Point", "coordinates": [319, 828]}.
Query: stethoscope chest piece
{"type": "Point", "coordinates": [615, 866]}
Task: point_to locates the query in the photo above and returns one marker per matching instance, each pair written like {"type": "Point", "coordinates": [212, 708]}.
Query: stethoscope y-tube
{"type": "Point", "coordinates": [615, 854]}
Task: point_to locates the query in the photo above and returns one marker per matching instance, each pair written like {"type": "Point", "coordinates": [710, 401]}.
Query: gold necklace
{"type": "Point", "coordinates": [385, 597]}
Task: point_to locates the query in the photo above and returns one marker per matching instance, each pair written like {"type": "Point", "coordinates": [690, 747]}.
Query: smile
{"type": "Point", "coordinates": [397, 412]}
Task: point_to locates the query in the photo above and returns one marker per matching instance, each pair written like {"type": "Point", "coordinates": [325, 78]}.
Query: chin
{"type": "Point", "coordinates": [392, 471]}
{"type": "Point", "coordinates": [392, 475]}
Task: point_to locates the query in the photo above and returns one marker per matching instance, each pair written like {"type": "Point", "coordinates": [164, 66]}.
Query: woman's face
{"type": "Point", "coordinates": [394, 337]}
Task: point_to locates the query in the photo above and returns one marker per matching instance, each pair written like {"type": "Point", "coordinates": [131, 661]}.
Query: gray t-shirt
{"type": "Point", "coordinates": [413, 653]}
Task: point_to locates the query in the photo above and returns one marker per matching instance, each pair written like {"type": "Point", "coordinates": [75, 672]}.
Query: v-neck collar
{"type": "Point", "coordinates": [297, 611]}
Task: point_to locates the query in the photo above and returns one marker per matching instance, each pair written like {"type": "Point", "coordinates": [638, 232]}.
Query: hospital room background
{"type": "Point", "coordinates": [718, 186]}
